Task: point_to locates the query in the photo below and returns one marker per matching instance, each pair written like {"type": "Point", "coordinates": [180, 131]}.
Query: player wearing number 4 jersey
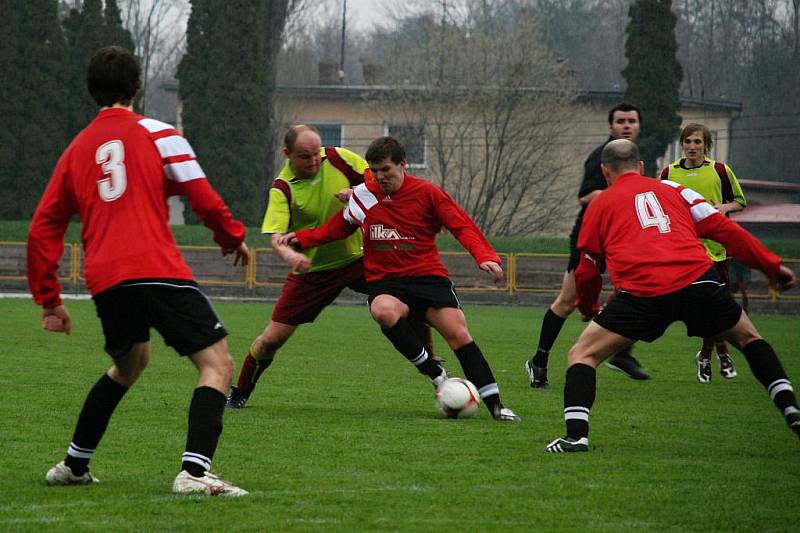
{"type": "Point", "coordinates": [116, 176]}
{"type": "Point", "coordinates": [647, 231]}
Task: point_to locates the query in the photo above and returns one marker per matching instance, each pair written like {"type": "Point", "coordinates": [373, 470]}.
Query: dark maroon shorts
{"type": "Point", "coordinates": [304, 296]}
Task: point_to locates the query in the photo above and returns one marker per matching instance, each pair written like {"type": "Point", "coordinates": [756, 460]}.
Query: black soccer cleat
{"type": "Point", "coordinates": [568, 445]}
{"type": "Point", "coordinates": [628, 366]}
{"type": "Point", "coordinates": [236, 399]}
{"type": "Point", "coordinates": [537, 375]}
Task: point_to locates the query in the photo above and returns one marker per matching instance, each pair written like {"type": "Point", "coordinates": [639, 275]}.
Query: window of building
{"type": "Point", "coordinates": [331, 134]}
{"type": "Point", "coordinates": [412, 136]}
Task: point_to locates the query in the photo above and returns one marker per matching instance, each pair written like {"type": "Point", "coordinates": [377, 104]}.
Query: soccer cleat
{"type": "Point", "coordinates": [438, 380]}
{"type": "Point", "coordinates": [568, 445]}
{"type": "Point", "coordinates": [504, 414]}
{"type": "Point", "coordinates": [537, 375]}
{"type": "Point", "coordinates": [793, 419]}
{"type": "Point", "coordinates": [61, 474]}
{"type": "Point", "coordinates": [703, 369]}
{"type": "Point", "coordinates": [209, 484]}
{"type": "Point", "coordinates": [628, 365]}
{"type": "Point", "coordinates": [236, 399]}
{"type": "Point", "coordinates": [726, 368]}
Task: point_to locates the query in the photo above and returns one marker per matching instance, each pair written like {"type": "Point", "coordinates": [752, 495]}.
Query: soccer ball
{"type": "Point", "coordinates": [457, 398]}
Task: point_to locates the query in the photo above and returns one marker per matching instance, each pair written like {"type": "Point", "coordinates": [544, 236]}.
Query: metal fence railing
{"type": "Point", "coordinates": [525, 272]}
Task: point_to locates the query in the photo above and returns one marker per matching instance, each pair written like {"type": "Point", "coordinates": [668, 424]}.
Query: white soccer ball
{"type": "Point", "coordinates": [457, 398]}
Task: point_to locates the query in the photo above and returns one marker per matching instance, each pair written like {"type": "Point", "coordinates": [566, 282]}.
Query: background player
{"type": "Point", "coordinates": [116, 176]}
{"type": "Point", "coordinates": [624, 122]}
{"type": "Point", "coordinates": [646, 230]}
{"type": "Point", "coordinates": [717, 183]}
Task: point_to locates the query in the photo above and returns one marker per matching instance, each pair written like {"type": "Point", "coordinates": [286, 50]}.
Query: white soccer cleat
{"type": "Point", "coordinates": [438, 380]}
{"type": "Point", "coordinates": [504, 414]}
{"type": "Point", "coordinates": [62, 475]}
{"type": "Point", "coordinates": [209, 484]}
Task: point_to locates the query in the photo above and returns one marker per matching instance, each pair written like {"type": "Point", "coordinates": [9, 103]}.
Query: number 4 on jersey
{"type": "Point", "coordinates": [650, 213]}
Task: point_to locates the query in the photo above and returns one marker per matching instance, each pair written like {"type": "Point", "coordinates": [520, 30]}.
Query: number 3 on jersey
{"type": "Point", "coordinates": [111, 156]}
{"type": "Point", "coordinates": [650, 213]}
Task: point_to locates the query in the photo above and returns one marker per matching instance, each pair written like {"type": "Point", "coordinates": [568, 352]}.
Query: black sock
{"type": "Point", "coordinates": [768, 370]}
{"type": "Point", "coordinates": [579, 393]}
{"type": "Point", "coordinates": [477, 370]}
{"type": "Point", "coordinates": [408, 343]}
{"type": "Point", "coordinates": [205, 427]}
{"type": "Point", "coordinates": [97, 409]}
{"type": "Point", "coordinates": [551, 327]}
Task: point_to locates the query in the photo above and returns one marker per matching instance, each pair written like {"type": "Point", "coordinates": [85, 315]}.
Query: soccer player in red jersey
{"type": "Point", "coordinates": [400, 216]}
{"type": "Point", "coordinates": [647, 231]}
{"type": "Point", "coordinates": [116, 176]}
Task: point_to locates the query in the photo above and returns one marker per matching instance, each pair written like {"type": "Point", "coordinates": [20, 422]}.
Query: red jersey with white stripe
{"type": "Point", "coordinates": [648, 231]}
{"type": "Point", "coordinates": [116, 176]}
{"type": "Point", "coordinates": [400, 229]}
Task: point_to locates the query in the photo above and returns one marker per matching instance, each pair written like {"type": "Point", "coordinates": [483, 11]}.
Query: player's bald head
{"type": "Point", "coordinates": [621, 155]}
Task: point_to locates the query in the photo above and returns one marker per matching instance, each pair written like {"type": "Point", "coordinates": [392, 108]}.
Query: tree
{"type": "Point", "coordinates": [226, 82]}
{"type": "Point", "coordinates": [491, 105]}
{"type": "Point", "coordinates": [158, 34]}
{"type": "Point", "coordinates": [654, 76]}
{"type": "Point", "coordinates": [87, 30]}
{"type": "Point", "coordinates": [32, 62]}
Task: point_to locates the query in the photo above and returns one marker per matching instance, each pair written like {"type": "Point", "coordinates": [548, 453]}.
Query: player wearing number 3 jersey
{"type": "Point", "coordinates": [116, 176]}
{"type": "Point", "coordinates": [647, 231]}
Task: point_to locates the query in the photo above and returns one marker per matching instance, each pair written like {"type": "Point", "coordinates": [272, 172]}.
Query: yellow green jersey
{"type": "Point", "coordinates": [296, 204]}
{"type": "Point", "coordinates": [716, 182]}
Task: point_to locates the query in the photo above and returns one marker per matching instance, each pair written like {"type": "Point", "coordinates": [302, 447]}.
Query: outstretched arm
{"type": "Point", "coordinates": [334, 229]}
{"type": "Point", "coordinates": [282, 244]}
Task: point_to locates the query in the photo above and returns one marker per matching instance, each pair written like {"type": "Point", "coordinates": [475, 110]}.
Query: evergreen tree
{"type": "Point", "coordinates": [654, 76]}
{"type": "Point", "coordinates": [33, 66]}
{"type": "Point", "coordinates": [88, 30]}
{"type": "Point", "coordinates": [223, 88]}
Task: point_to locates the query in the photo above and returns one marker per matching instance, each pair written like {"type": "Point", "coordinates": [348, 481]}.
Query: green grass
{"type": "Point", "coordinates": [200, 236]}
{"type": "Point", "coordinates": [342, 434]}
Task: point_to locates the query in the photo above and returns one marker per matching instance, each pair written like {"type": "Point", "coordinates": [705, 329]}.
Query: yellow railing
{"type": "Point", "coordinates": [525, 272]}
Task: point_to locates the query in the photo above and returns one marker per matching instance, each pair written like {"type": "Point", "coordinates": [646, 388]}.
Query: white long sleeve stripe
{"type": "Point", "coordinates": [702, 211]}
{"type": "Point", "coordinates": [152, 125]}
{"type": "Point", "coordinates": [174, 145]}
{"type": "Point", "coordinates": [184, 171]}
{"type": "Point", "coordinates": [367, 198]}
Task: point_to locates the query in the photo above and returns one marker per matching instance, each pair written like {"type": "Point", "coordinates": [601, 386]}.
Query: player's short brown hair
{"type": "Point", "coordinates": [384, 147]}
{"type": "Point", "coordinates": [114, 76]}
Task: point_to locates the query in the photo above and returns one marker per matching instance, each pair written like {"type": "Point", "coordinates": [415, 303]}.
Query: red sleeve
{"type": "Point", "coordinates": [588, 284]}
{"type": "Point", "coordinates": [739, 243]}
{"type": "Point", "coordinates": [46, 238]}
{"type": "Point", "coordinates": [334, 229]}
{"type": "Point", "coordinates": [588, 281]}
{"type": "Point", "coordinates": [212, 210]}
{"type": "Point", "coordinates": [458, 222]}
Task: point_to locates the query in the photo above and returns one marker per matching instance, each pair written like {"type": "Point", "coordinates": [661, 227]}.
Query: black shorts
{"type": "Point", "coordinates": [418, 293]}
{"type": "Point", "coordinates": [705, 306]}
{"type": "Point", "coordinates": [177, 309]}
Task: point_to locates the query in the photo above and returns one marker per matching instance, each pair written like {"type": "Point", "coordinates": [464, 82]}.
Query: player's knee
{"type": "Point", "coordinates": [458, 338]}
{"type": "Point", "coordinates": [385, 315]}
{"type": "Point", "coordinates": [564, 306]}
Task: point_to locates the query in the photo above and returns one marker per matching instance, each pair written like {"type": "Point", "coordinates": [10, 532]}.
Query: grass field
{"type": "Point", "coordinates": [342, 434]}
